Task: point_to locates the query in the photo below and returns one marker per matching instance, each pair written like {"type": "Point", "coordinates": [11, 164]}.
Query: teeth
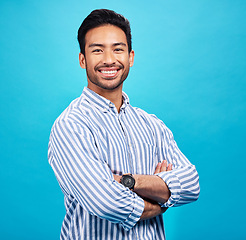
{"type": "Point", "coordinates": [109, 72]}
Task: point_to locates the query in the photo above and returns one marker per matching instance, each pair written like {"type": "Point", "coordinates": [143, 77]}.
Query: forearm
{"type": "Point", "coordinates": [151, 187]}
{"type": "Point", "coordinates": [151, 209]}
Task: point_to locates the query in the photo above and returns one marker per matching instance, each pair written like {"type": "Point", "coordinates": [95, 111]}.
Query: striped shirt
{"type": "Point", "coordinates": [89, 142]}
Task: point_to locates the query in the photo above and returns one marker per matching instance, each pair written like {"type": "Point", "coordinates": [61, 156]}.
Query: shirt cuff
{"type": "Point", "coordinates": [134, 216]}
{"type": "Point", "coordinates": [174, 186]}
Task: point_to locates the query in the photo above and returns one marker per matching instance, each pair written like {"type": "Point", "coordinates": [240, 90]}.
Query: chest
{"type": "Point", "coordinates": [127, 144]}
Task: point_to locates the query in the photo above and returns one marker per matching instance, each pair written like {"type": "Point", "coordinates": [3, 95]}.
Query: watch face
{"type": "Point", "coordinates": [128, 181]}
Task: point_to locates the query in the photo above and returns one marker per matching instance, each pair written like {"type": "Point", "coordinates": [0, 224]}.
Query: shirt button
{"type": "Point", "coordinates": [111, 105]}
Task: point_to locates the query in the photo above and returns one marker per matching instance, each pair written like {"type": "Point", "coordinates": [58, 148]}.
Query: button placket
{"type": "Point", "coordinates": [128, 141]}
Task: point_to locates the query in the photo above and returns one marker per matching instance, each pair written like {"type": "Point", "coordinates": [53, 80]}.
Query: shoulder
{"type": "Point", "coordinates": [73, 119]}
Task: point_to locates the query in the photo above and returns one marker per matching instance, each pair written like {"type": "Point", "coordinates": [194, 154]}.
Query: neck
{"type": "Point", "coordinates": [115, 96]}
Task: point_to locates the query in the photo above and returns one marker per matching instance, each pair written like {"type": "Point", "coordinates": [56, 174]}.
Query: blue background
{"type": "Point", "coordinates": [190, 70]}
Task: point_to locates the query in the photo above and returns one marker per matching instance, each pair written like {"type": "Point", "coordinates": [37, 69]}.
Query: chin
{"type": "Point", "coordinates": [110, 87]}
{"type": "Point", "coordinates": [108, 84]}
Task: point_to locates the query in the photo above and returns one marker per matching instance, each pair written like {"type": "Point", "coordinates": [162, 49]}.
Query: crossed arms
{"type": "Point", "coordinates": [152, 189]}
{"type": "Point", "coordinates": [86, 177]}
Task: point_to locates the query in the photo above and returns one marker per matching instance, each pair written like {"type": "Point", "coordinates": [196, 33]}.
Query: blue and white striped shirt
{"type": "Point", "coordinates": [89, 142]}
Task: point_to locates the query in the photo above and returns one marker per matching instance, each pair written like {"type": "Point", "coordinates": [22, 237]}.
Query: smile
{"type": "Point", "coordinates": [109, 73]}
{"type": "Point", "coordinates": [112, 72]}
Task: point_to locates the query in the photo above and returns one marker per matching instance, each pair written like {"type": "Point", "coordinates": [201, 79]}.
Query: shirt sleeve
{"type": "Point", "coordinates": [80, 171]}
{"type": "Point", "coordinates": [183, 180]}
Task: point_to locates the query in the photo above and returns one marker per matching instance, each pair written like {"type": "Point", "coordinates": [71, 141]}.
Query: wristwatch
{"type": "Point", "coordinates": [128, 181]}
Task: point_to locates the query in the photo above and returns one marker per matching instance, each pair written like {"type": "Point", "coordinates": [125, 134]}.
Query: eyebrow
{"type": "Point", "coordinates": [119, 44]}
{"type": "Point", "coordinates": [102, 45]}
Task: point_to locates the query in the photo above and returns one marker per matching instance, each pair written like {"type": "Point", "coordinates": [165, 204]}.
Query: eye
{"type": "Point", "coordinates": [118, 50]}
{"type": "Point", "coordinates": [97, 50]}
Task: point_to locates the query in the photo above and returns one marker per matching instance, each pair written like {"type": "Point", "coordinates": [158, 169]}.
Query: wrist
{"type": "Point", "coordinates": [117, 178]}
{"type": "Point", "coordinates": [137, 182]}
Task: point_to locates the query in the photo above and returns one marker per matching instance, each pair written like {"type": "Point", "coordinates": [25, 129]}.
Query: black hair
{"type": "Point", "coordinates": [101, 17]}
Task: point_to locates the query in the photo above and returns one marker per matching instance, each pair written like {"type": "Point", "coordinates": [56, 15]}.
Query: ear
{"type": "Point", "coordinates": [82, 60]}
{"type": "Point", "coordinates": [131, 58]}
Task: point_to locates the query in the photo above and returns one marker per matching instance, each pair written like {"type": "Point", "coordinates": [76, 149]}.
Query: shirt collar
{"type": "Point", "coordinates": [102, 103]}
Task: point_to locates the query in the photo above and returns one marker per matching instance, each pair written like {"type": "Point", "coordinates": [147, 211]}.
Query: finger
{"type": "Point", "coordinates": [158, 168]}
{"type": "Point", "coordinates": [169, 167]}
{"type": "Point", "coordinates": [164, 166]}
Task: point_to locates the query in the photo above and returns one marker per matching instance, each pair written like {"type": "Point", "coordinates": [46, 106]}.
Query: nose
{"type": "Point", "coordinates": [109, 58]}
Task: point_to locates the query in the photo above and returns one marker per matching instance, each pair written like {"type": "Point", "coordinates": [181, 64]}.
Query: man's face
{"type": "Point", "coordinates": [107, 60]}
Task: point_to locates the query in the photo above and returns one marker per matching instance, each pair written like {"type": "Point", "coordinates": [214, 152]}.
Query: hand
{"type": "Point", "coordinates": [163, 167]}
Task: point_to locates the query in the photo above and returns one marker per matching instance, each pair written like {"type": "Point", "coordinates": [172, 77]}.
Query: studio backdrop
{"type": "Point", "coordinates": [189, 70]}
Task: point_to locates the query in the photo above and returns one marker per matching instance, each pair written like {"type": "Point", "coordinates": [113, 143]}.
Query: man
{"type": "Point", "coordinates": [118, 167]}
